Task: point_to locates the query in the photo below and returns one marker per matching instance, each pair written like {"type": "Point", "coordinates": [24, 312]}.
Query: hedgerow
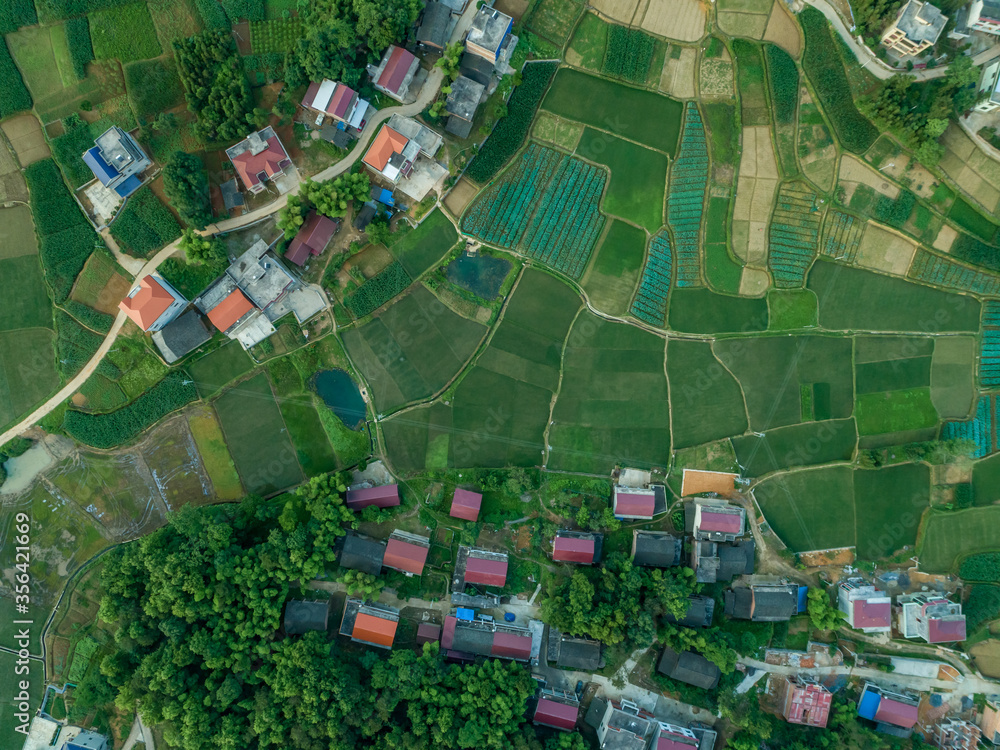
{"type": "Point", "coordinates": [825, 68]}
{"type": "Point", "coordinates": [982, 567]}
{"type": "Point", "coordinates": [153, 86]}
{"type": "Point", "coordinates": [509, 133]}
{"type": "Point", "coordinates": [213, 15]}
{"type": "Point", "coordinates": [93, 319]}
{"type": "Point", "coordinates": [784, 79]}
{"type": "Point", "coordinates": [68, 148]}
{"type": "Point", "coordinates": [57, 9]}
{"type": "Point", "coordinates": [16, 13]}
{"type": "Point", "coordinates": [145, 224]}
{"type": "Point", "coordinates": [379, 289]}
{"type": "Point", "coordinates": [75, 345]}
{"type": "Point", "coordinates": [81, 51]}
{"type": "Point", "coordinates": [117, 427]}
{"type": "Point", "coordinates": [14, 96]}
{"type": "Point", "coordinates": [251, 10]}
{"type": "Point", "coordinates": [628, 53]}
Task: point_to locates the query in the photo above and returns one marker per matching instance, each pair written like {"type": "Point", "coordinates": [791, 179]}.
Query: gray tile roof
{"type": "Point", "coordinates": [579, 653]}
{"type": "Point", "coordinates": [181, 336]}
{"type": "Point", "coordinates": [362, 554]}
{"type": "Point", "coordinates": [302, 616]}
{"type": "Point", "coordinates": [690, 668]}
{"type": "Point", "coordinates": [655, 549]}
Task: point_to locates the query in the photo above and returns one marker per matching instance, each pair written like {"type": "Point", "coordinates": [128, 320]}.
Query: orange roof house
{"type": "Point", "coordinates": [374, 624]}
{"type": "Point", "coordinates": [389, 153]}
{"type": "Point", "coordinates": [225, 315]}
{"type": "Point", "coordinates": [152, 303]}
{"type": "Point", "coordinates": [258, 158]}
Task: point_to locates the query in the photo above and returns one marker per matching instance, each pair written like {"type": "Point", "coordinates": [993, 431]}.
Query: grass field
{"type": "Point", "coordinates": [26, 300]}
{"type": "Point", "coordinates": [893, 374]}
{"type": "Point", "coordinates": [27, 370]}
{"type": "Point", "coordinates": [420, 439]}
{"type": "Point", "coordinates": [947, 536]}
{"type": "Point", "coordinates": [101, 284]}
{"type": "Point", "coordinates": [612, 406]}
{"type": "Point", "coordinates": [642, 116]}
{"type": "Point", "coordinates": [589, 42]}
{"type": "Point", "coordinates": [412, 349]}
{"type": "Point", "coordinates": [314, 451]}
{"type": "Point", "coordinates": [614, 271]}
{"type": "Point", "coordinates": [419, 248]}
{"type": "Point", "coordinates": [953, 374]}
{"type": "Point", "coordinates": [257, 437]}
{"type": "Point", "coordinates": [809, 444]}
{"type": "Point", "coordinates": [895, 411]}
{"type": "Point", "coordinates": [215, 455]}
{"type": "Point", "coordinates": [773, 371]}
{"type": "Point", "coordinates": [216, 369]}
{"type": "Point", "coordinates": [888, 505]}
{"type": "Point", "coordinates": [986, 481]}
{"type": "Point", "coordinates": [125, 33]}
{"type": "Point", "coordinates": [789, 309]}
{"type": "Point", "coordinates": [853, 299]}
{"type": "Point", "coordinates": [812, 509]}
{"type": "Point", "coordinates": [750, 82]}
{"type": "Point", "coordinates": [32, 49]}
{"type": "Point", "coordinates": [703, 311]}
{"type": "Point", "coordinates": [706, 400]}
{"type": "Point", "coordinates": [638, 177]}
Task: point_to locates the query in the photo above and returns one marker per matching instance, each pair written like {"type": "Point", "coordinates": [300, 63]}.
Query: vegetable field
{"type": "Point", "coordinates": [783, 77]}
{"type": "Point", "coordinates": [793, 234]}
{"type": "Point", "coordinates": [945, 272]}
{"type": "Point", "coordinates": [650, 303]}
{"type": "Point", "coordinates": [144, 225]}
{"type": "Point", "coordinates": [842, 236]}
{"type": "Point", "coordinates": [989, 353]}
{"type": "Point", "coordinates": [981, 429]}
{"type": "Point", "coordinates": [628, 53]}
{"type": "Point", "coordinates": [686, 202]}
{"type": "Point", "coordinates": [379, 289]}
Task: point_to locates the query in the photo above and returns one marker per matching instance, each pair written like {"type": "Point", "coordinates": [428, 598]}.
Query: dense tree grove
{"type": "Point", "coordinates": [215, 86]}
{"type": "Point", "coordinates": [329, 198]}
{"type": "Point", "coordinates": [186, 184]}
{"type": "Point", "coordinates": [198, 607]}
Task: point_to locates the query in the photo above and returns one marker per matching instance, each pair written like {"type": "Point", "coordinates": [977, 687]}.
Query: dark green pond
{"type": "Point", "coordinates": [341, 394]}
{"type": "Point", "coordinates": [482, 275]}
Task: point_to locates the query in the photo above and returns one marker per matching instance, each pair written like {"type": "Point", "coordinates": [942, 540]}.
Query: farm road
{"type": "Point", "coordinates": [427, 97]}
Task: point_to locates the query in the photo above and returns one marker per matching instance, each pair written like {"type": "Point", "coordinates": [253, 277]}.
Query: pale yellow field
{"type": "Point", "coordinates": [751, 25]}
{"type": "Point", "coordinates": [783, 31]}
{"type": "Point", "coordinates": [755, 282]}
{"type": "Point", "coordinates": [683, 20]}
{"type": "Point", "coordinates": [677, 78]}
{"type": "Point", "coordinates": [975, 173]}
{"type": "Point", "coordinates": [882, 250]}
{"type": "Point", "coordinates": [945, 239]}
{"type": "Point", "coordinates": [618, 10]}
{"type": "Point", "coordinates": [853, 170]}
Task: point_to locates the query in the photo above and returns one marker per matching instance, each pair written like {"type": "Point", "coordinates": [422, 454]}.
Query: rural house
{"type": "Point", "coordinates": [337, 101]}
{"type": "Point", "coordinates": [436, 26]}
{"type": "Point", "coordinates": [956, 734]}
{"type": "Point", "coordinates": [312, 238]}
{"type": "Point", "coordinates": [656, 549]}
{"type": "Point", "coordinates": [385, 496]}
{"type": "Point", "coordinates": [699, 613]}
{"type": "Point", "coordinates": [462, 103]}
{"type": "Point", "coordinates": [718, 522]}
{"type": "Point", "coordinates": [990, 721]}
{"type": "Point", "coordinates": [476, 68]}
{"type": "Point", "coordinates": [402, 154]}
{"type": "Point", "coordinates": [480, 568]}
{"type": "Point", "coordinates": [931, 618]}
{"type": "Point", "coordinates": [672, 737]}
{"type": "Point", "coordinates": [582, 548]}
{"type": "Point", "coordinates": [181, 336]}
{"type": "Point", "coordinates": [152, 303]}
{"type": "Point", "coordinates": [465, 505]}
{"type": "Point", "coordinates": [916, 28]}
{"type": "Point", "coordinates": [232, 198]}
{"type": "Point", "coordinates": [117, 160]}
{"type": "Point", "coordinates": [469, 638]}
{"type": "Point", "coordinates": [258, 158]}
{"type": "Point", "coordinates": [865, 607]}
{"type": "Point", "coordinates": [428, 632]}
{"type": "Point", "coordinates": [302, 616]}
{"type": "Point", "coordinates": [558, 711]}
{"type": "Point", "coordinates": [690, 668]}
{"type": "Point", "coordinates": [635, 504]}
{"type": "Point", "coordinates": [226, 307]}
{"type": "Point", "coordinates": [625, 726]}
{"type": "Point", "coordinates": [762, 603]}
{"type": "Point", "coordinates": [574, 653]}
{"type": "Point", "coordinates": [406, 552]}
{"type": "Point", "coordinates": [88, 740]}
{"type": "Point", "coordinates": [804, 701]}
{"type": "Point", "coordinates": [361, 553]}
{"type": "Point", "coordinates": [398, 75]}
{"type": "Point", "coordinates": [893, 713]}
{"type": "Point", "coordinates": [371, 624]}
{"type": "Point", "coordinates": [715, 563]}
{"type": "Point", "coordinates": [979, 15]}
{"type": "Point", "coordinates": [490, 36]}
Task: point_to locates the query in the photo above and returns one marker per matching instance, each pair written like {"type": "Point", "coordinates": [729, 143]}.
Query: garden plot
{"type": "Point", "coordinates": [951, 535]}
{"type": "Point", "coordinates": [612, 407]}
{"type": "Point", "coordinates": [101, 284]}
{"type": "Point", "coordinates": [882, 250]}
{"type": "Point", "coordinates": [751, 25]}
{"type": "Point", "coordinates": [783, 31]}
{"type": "Point", "coordinates": [25, 135]}
{"type": "Point", "coordinates": [793, 234]}
{"type": "Point", "coordinates": [842, 235]}
{"type": "Point", "coordinates": [854, 172]}
{"type": "Point", "coordinates": [716, 78]}
{"type": "Point", "coordinates": [554, 19]}
{"type": "Point", "coordinates": [610, 281]}
{"type": "Point", "coordinates": [980, 429]}
{"type": "Point", "coordinates": [460, 196]}
{"type": "Point", "coordinates": [562, 133]}
{"type": "Point", "coordinates": [945, 272]}
{"type": "Point", "coordinates": [589, 42]}
{"type": "Point", "coordinates": [683, 20]}
{"type": "Point", "coordinates": [817, 152]}
{"type": "Point", "coordinates": [686, 200]}
{"type": "Point", "coordinates": [755, 189]}
{"type": "Point", "coordinates": [650, 304]}
{"type": "Point", "coordinates": [989, 354]}
{"type": "Point", "coordinates": [706, 402]}
{"type": "Point", "coordinates": [677, 78]}
{"type": "Point", "coordinates": [953, 376]}
{"type": "Point", "coordinates": [975, 173]}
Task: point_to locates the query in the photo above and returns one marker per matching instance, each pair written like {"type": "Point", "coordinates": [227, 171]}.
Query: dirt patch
{"type": "Point", "coordinates": [618, 10]}
{"type": "Point", "coordinates": [970, 168]}
{"type": "Point", "coordinates": [854, 170]}
{"type": "Point", "coordinates": [783, 31]}
{"type": "Point", "coordinates": [987, 657]}
{"type": "Point", "coordinates": [882, 250]}
{"type": "Point", "coordinates": [844, 556]}
{"type": "Point", "coordinates": [513, 8]}
{"type": "Point", "coordinates": [79, 400]}
{"type": "Point", "coordinates": [677, 78]}
{"type": "Point", "coordinates": [696, 482]}
{"type": "Point", "coordinates": [750, 25]}
{"type": "Point", "coordinates": [946, 237]}
{"type": "Point", "coordinates": [754, 283]}
{"type": "Point", "coordinates": [683, 20]}
{"type": "Point", "coordinates": [25, 134]}
{"type": "Point", "coordinates": [460, 196]}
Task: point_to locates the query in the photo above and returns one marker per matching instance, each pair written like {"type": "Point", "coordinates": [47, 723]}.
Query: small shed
{"type": "Point", "coordinates": [302, 616]}
{"type": "Point", "coordinates": [428, 632]}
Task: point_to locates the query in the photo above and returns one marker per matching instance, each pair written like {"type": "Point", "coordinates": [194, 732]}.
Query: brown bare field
{"type": "Point", "coordinates": [783, 31]}
{"type": "Point", "coordinates": [618, 10]}
{"type": "Point", "coordinates": [945, 239]}
{"type": "Point", "coordinates": [751, 25]}
{"type": "Point", "coordinates": [754, 282]}
{"type": "Point", "coordinates": [986, 654]}
{"type": "Point", "coordinates": [973, 171]}
{"type": "Point", "coordinates": [460, 196]}
{"type": "Point", "coordinates": [882, 250]}
{"type": "Point", "coordinates": [755, 189]}
{"type": "Point", "coordinates": [678, 75]}
{"type": "Point", "coordinates": [716, 80]}
{"type": "Point", "coordinates": [683, 20]}
{"type": "Point", "coordinates": [25, 134]}
{"type": "Point", "coordinates": [696, 482]}
{"type": "Point", "coordinates": [853, 170]}
{"type": "Point", "coordinates": [843, 556]}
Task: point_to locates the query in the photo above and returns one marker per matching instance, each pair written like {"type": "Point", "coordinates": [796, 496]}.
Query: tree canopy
{"type": "Point", "coordinates": [215, 86]}
{"type": "Point", "coordinates": [185, 183]}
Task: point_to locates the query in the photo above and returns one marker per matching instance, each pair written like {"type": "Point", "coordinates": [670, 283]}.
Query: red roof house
{"type": "Point", "coordinates": [805, 702]}
{"type": "Point", "coordinates": [485, 571]}
{"type": "Point", "coordinates": [404, 553]}
{"type": "Point", "coordinates": [226, 314]}
{"type": "Point", "coordinates": [557, 715]}
{"type": "Point", "coordinates": [466, 504]}
{"type": "Point", "coordinates": [574, 548]}
{"type": "Point", "coordinates": [896, 713]}
{"type": "Point", "coordinates": [152, 304]}
{"type": "Point", "coordinates": [386, 496]}
{"type": "Point", "coordinates": [395, 72]}
{"type": "Point", "coordinates": [312, 238]}
{"type": "Point", "coordinates": [511, 646]}
{"type": "Point", "coordinates": [258, 158]}
{"type": "Point", "coordinates": [428, 632]}
{"type": "Point", "coordinates": [375, 630]}
{"type": "Point", "coordinates": [632, 503]}
{"type": "Point", "coordinates": [941, 630]}
{"type": "Point", "coordinates": [724, 523]}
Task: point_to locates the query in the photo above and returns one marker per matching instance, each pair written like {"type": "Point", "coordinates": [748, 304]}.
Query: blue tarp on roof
{"type": "Point", "coordinates": [464, 613]}
{"type": "Point", "coordinates": [130, 186]}
{"type": "Point", "coordinates": [803, 598]}
{"type": "Point", "coordinates": [386, 197]}
{"type": "Point", "coordinates": [869, 705]}
{"type": "Point", "coordinates": [101, 169]}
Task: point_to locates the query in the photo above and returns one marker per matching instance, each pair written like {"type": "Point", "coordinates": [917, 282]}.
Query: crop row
{"type": "Point", "coordinates": [842, 236]}
{"type": "Point", "coordinates": [650, 302]}
{"type": "Point", "coordinates": [629, 53]}
{"type": "Point", "coordinates": [991, 313]}
{"type": "Point", "coordinates": [945, 272]}
{"type": "Point", "coordinates": [379, 289]}
{"type": "Point", "coordinates": [793, 236]}
{"type": "Point", "coordinates": [989, 360]}
{"type": "Point", "coordinates": [686, 203]}
{"type": "Point", "coordinates": [979, 429]}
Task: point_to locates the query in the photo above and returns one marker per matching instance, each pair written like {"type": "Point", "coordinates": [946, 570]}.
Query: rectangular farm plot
{"type": "Point", "coordinates": [854, 299]}
{"type": "Point", "coordinates": [641, 116]}
{"type": "Point", "coordinates": [257, 437]}
{"type": "Point", "coordinates": [703, 311]}
{"type": "Point", "coordinates": [789, 309]}
{"type": "Point", "coordinates": [420, 248]}
{"type": "Point", "coordinates": [102, 283]}
{"type": "Point", "coordinates": [589, 42]}
{"type": "Point", "coordinates": [683, 20]}
{"type": "Point", "coordinates": [893, 374]}
{"type": "Point", "coordinates": [706, 402]}
{"type": "Point", "coordinates": [889, 503]}
{"type": "Point", "coordinates": [650, 304]}
{"type": "Point", "coordinates": [811, 444]}
{"type": "Point", "coordinates": [895, 411]}
{"type": "Point", "coordinates": [420, 439]}
{"type": "Point", "coordinates": [950, 535]}
{"type": "Point", "coordinates": [638, 177]}
{"type": "Point", "coordinates": [610, 281]}
{"type": "Point", "coordinates": [312, 447]}
{"type": "Point", "coordinates": [794, 234]}
{"type": "Point", "coordinates": [812, 509]}
{"type": "Point", "coordinates": [986, 481]}
{"type": "Point", "coordinates": [882, 250]}
{"type": "Point", "coordinates": [750, 72]}
{"type": "Point", "coordinates": [934, 269]}
{"type": "Point", "coordinates": [412, 349]}
{"type": "Point", "coordinates": [216, 369]}
{"type": "Point", "coordinates": [28, 371]}
{"type": "Point", "coordinates": [756, 186]}
{"type": "Point", "coordinates": [970, 168]}
{"type": "Point", "coordinates": [554, 19]}
{"type": "Point", "coordinates": [17, 233]}
{"type": "Point", "coordinates": [215, 456]}
{"type": "Point", "coordinates": [26, 299]}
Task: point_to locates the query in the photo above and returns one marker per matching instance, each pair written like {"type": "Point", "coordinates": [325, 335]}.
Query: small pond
{"type": "Point", "coordinates": [24, 468]}
{"type": "Point", "coordinates": [481, 274]}
{"type": "Point", "coordinates": [341, 394]}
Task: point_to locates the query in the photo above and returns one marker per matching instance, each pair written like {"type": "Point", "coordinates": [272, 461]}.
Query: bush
{"type": "Point", "coordinates": [93, 319]}
{"type": "Point", "coordinates": [153, 86]}
{"type": "Point", "coordinates": [190, 279]}
{"type": "Point", "coordinates": [117, 427]}
{"type": "Point", "coordinates": [628, 53]}
{"type": "Point", "coordinates": [14, 96]}
{"type": "Point", "coordinates": [825, 68]}
{"type": "Point", "coordinates": [213, 15]}
{"type": "Point", "coordinates": [81, 51]}
{"type": "Point", "coordinates": [510, 131]}
{"type": "Point", "coordinates": [784, 79]}
{"type": "Point", "coordinates": [16, 13]}
{"type": "Point", "coordinates": [983, 606]}
{"type": "Point", "coordinates": [981, 567]}
{"type": "Point", "coordinates": [75, 345]}
{"type": "Point", "coordinates": [145, 224]}
{"type": "Point", "coordinates": [185, 183]}
{"type": "Point", "coordinates": [894, 211]}
{"type": "Point", "coordinates": [68, 149]}
{"type": "Point", "coordinates": [378, 290]}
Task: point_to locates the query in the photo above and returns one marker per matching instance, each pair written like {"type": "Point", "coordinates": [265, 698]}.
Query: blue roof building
{"type": "Point", "coordinates": [117, 161]}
